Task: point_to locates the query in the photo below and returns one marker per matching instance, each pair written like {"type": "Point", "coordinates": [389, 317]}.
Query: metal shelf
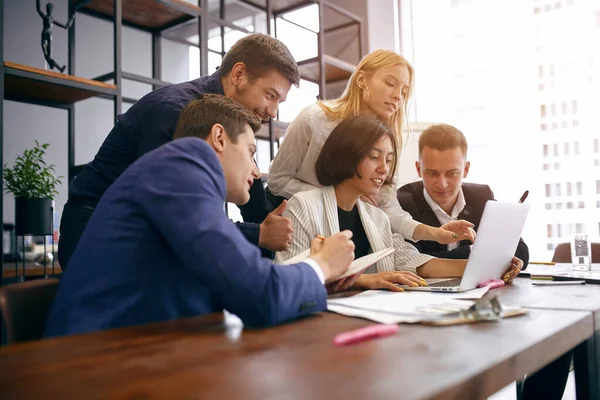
{"type": "Point", "coordinates": [37, 85]}
{"type": "Point", "coordinates": [335, 69]}
{"type": "Point", "coordinates": [149, 15]}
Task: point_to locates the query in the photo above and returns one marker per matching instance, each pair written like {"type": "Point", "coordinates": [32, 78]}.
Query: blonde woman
{"type": "Point", "coordinates": [380, 87]}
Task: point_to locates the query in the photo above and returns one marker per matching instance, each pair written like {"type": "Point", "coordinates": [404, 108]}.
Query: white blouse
{"type": "Point", "coordinates": [293, 168]}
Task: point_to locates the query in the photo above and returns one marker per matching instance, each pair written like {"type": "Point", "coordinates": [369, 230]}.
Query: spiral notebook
{"type": "Point", "coordinates": [358, 265]}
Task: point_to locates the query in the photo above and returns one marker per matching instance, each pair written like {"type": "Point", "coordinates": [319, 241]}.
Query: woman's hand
{"type": "Point", "coordinates": [455, 231]}
{"type": "Point", "coordinates": [388, 280]}
{"type": "Point", "coordinates": [513, 271]}
{"type": "Point", "coordinates": [341, 285]}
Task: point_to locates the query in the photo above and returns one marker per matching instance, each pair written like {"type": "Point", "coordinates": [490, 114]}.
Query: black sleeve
{"type": "Point", "coordinates": [157, 127]}
{"type": "Point", "coordinates": [523, 253]}
{"type": "Point", "coordinates": [258, 207]}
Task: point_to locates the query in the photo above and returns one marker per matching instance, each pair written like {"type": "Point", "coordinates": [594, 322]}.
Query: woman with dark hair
{"type": "Point", "coordinates": [357, 160]}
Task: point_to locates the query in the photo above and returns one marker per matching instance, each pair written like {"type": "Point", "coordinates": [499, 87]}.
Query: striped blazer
{"type": "Point", "coordinates": [314, 213]}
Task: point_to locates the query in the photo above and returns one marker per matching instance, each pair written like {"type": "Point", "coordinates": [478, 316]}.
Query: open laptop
{"type": "Point", "coordinates": [497, 239]}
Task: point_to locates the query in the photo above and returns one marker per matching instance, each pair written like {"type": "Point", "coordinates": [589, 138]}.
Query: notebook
{"type": "Point", "coordinates": [358, 265]}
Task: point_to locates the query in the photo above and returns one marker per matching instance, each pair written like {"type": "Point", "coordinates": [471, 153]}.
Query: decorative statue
{"type": "Point", "coordinates": [47, 33]}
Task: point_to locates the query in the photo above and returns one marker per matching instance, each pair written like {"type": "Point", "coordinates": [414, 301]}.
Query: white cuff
{"type": "Point", "coordinates": [316, 267]}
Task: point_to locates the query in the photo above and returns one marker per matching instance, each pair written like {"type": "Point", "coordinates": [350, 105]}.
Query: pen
{"type": "Point", "coordinates": [559, 283]}
{"type": "Point", "coordinates": [541, 278]}
{"type": "Point", "coordinates": [522, 199]}
{"type": "Point", "coordinates": [320, 237]}
{"type": "Point", "coordinates": [542, 262]}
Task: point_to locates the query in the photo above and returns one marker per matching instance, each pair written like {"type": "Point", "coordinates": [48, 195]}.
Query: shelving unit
{"type": "Point", "coordinates": [173, 20]}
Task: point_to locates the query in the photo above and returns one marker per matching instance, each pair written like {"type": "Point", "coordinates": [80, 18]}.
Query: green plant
{"type": "Point", "coordinates": [31, 177]}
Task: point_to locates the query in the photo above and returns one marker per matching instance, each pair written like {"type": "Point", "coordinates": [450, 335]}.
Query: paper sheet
{"type": "Point", "coordinates": [411, 305]}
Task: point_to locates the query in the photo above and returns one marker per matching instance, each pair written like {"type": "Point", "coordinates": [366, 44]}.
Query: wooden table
{"type": "Point", "coordinates": [205, 358]}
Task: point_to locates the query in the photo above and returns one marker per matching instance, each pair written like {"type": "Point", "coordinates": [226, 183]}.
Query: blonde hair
{"type": "Point", "coordinates": [349, 103]}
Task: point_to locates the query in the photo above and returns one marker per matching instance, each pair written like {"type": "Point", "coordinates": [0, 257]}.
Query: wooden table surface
{"type": "Point", "coordinates": [206, 358]}
{"type": "Point", "coordinates": [579, 298]}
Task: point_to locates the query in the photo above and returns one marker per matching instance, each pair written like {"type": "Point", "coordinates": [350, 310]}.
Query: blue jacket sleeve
{"type": "Point", "coordinates": [182, 196]}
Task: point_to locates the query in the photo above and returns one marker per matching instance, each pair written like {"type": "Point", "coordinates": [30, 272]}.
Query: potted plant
{"type": "Point", "coordinates": [33, 184]}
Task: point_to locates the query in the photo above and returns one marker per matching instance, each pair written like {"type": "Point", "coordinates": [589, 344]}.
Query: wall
{"type": "Point", "coordinates": [24, 123]}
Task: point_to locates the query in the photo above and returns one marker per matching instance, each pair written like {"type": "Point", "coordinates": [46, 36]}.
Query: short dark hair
{"type": "Point", "coordinates": [442, 137]}
{"type": "Point", "coordinates": [261, 54]}
{"type": "Point", "coordinates": [347, 145]}
{"type": "Point", "coordinates": [200, 115]}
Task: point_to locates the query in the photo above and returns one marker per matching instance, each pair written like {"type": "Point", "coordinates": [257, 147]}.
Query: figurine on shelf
{"type": "Point", "coordinates": [47, 33]}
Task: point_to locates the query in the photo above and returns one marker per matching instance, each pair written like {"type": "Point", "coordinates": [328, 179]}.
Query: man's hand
{"type": "Point", "coordinates": [455, 231]}
{"type": "Point", "coordinates": [513, 270]}
{"type": "Point", "coordinates": [389, 280]}
{"type": "Point", "coordinates": [276, 231]}
{"type": "Point", "coordinates": [334, 254]}
{"type": "Point", "coordinates": [367, 198]}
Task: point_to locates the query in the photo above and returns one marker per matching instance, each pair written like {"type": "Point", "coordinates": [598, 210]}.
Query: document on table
{"type": "Point", "coordinates": [394, 307]}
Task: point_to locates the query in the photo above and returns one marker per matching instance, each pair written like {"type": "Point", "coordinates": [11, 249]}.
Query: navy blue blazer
{"type": "Point", "coordinates": [413, 201]}
{"type": "Point", "coordinates": [159, 247]}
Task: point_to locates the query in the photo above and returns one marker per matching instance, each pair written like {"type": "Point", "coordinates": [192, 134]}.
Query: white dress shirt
{"type": "Point", "coordinates": [293, 168]}
{"type": "Point", "coordinates": [442, 216]}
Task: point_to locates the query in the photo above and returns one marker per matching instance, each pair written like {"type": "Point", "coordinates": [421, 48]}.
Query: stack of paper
{"type": "Point", "coordinates": [393, 307]}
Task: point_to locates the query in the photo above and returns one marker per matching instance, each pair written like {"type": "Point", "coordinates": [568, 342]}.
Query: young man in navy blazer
{"type": "Point", "coordinates": [442, 196]}
{"type": "Point", "coordinates": [257, 72]}
{"type": "Point", "coordinates": [159, 245]}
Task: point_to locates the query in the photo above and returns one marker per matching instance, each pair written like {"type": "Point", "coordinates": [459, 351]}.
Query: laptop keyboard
{"type": "Point", "coordinates": [448, 283]}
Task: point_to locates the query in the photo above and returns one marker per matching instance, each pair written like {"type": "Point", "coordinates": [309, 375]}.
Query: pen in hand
{"type": "Point", "coordinates": [522, 199]}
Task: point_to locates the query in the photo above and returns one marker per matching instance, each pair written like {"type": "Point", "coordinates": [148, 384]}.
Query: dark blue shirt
{"type": "Point", "coordinates": [159, 247]}
{"type": "Point", "coordinates": [148, 124]}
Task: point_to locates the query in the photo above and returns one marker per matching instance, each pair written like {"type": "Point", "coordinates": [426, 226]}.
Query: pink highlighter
{"type": "Point", "coordinates": [492, 283]}
{"type": "Point", "coordinates": [366, 333]}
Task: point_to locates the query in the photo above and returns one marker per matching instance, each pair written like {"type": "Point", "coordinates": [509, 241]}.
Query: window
{"type": "Point", "coordinates": [550, 246]}
{"type": "Point", "coordinates": [596, 145]}
{"type": "Point", "coordinates": [597, 187]}
{"type": "Point", "coordinates": [564, 108]}
{"type": "Point", "coordinates": [574, 106]}
{"type": "Point", "coordinates": [556, 165]}
{"type": "Point", "coordinates": [569, 191]}
{"type": "Point", "coordinates": [550, 231]}
{"type": "Point", "coordinates": [546, 150]}
{"type": "Point", "coordinates": [557, 189]}
{"type": "Point", "coordinates": [549, 205]}
{"type": "Point", "coordinates": [579, 228]}
{"type": "Point", "coordinates": [541, 73]}
{"type": "Point", "coordinates": [579, 188]}
{"type": "Point", "coordinates": [565, 124]}
{"type": "Point", "coordinates": [597, 162]}
{"type": "Point", "coordinates": [559, 206]}
{"type": "Point", "coordinates": [580, 204]}
{"type": "Point", "coordinates": [548, 190]}
{"type": "Point", "coordinates": [576, 144]}
{"type": "Point", "coordinates": [597, 203]}
{"type": "Point", "coordinates": [553, 109]}
{"type": "Point", "coordinates": [546, 167]}
{"type": "Point", "coordinates": [554, 125]}
{"type": "Point", "coordinates": [575, 123]}
{"type": "Point", "coordinates": [566, 150]}
{"type": "Point", "coordinates": [543, 127]}
{"type": "Point", "coordinates": [543, 110]}
{"type": "Point", "coordinates": [569, 205]}
{"type": "Point", "coordinates": [555, 147]}
{"type": "Point", "coordinates": [559, 230]}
